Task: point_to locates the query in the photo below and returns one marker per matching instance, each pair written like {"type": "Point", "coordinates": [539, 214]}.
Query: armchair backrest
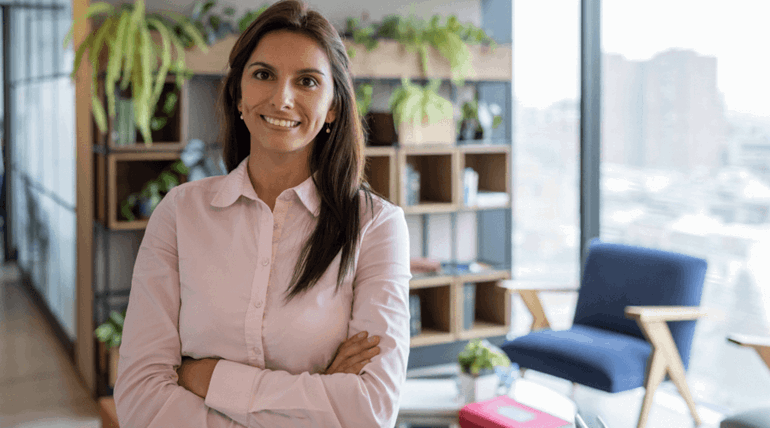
{"type": "Point", "coordinates": [616, 276]}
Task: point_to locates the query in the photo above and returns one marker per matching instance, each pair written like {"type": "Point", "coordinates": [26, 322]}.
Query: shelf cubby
{"type": "Point", "coordinates": [492, 164]}
{"type": "Point", "coordinates": [436, 314]}
{"type": "Point", "coordinates": [121, 174]}
{"type": "Point", "coordinates": [381, 171]}
{"type": "Point", "coordinates": [437, 167]}
{"type": "Point", "coordinates": [492, 309]}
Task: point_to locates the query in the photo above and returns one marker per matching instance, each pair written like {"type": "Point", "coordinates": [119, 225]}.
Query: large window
{"type": "Point", "coordinates": [546, 70]}
{"type": "Point", "coordinates": [685, 164]}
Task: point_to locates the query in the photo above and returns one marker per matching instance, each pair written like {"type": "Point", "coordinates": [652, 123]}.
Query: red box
{"type": "Point", "coordinates": [505, 412]}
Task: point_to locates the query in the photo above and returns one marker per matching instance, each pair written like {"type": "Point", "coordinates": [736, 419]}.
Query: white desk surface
{"type": "Point", "coordinates": [438, 398]}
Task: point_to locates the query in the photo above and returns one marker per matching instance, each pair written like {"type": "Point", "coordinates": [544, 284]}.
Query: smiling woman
{"type": "Point", "coordinates": [253, 292]}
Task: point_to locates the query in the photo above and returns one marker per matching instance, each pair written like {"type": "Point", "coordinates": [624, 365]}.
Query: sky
{"type": "Point", "coordinates": [547, 43]}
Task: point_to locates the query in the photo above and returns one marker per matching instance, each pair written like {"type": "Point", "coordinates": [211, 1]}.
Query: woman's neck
{"type": "Point", "coordinates": [271, 175]}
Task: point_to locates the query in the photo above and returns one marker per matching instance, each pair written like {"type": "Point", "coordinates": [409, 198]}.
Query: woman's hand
{"type": "Point", "coordinates": [195, 375]}
{"type": "Point", "coordinates": [353, 354]}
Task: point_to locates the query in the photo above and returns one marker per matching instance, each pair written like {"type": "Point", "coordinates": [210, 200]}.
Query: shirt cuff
{"type": "Point", "coordinates": [231, 389]}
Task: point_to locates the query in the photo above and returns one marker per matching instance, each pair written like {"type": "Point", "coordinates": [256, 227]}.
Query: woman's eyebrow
{"type": "Point", "coordinates": [271, 68]}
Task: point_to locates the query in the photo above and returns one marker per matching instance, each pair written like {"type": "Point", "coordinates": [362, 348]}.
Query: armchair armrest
{"type": "Point", "coordinates": [664, 313]}
{"type": "Point", "coordinates": [529, 290]}
{"type": "Point", "coordinates": [761, 344]}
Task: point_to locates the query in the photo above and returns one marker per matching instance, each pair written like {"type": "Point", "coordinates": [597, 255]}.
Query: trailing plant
{"type": "Point", "coordinates": [214, 26]}
{"type": "Point", "coordinates": [415, 104]}
{"type": "Point", "coordinates": [479, 355]}
{"type": "Point", "coordinates": [133, 58]}
{"type": "Point", "coordinates": [110, 332]}
{"type": "Point", "coordinates": [364, 98]}
{"type": "Point", "coordinates": [451, 39]}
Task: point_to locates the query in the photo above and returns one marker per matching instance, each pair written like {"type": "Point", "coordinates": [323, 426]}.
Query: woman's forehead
{"type": "Point", "coordinates": [290, 51]}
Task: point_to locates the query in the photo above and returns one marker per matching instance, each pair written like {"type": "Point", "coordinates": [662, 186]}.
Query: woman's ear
{"type": "Point", "coordinates": [331, 116]}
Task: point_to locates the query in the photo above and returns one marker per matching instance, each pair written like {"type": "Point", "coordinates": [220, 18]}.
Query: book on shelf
{"type": "Point", "coordinates": [415, 326]}
{"type": "Point", "coordinates": [505, 412]}
{"type": "Point", "coordinates": [469, 305]}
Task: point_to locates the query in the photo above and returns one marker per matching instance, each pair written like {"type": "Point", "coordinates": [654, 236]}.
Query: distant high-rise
{"type": "Point", "coordinates": [663, 113]}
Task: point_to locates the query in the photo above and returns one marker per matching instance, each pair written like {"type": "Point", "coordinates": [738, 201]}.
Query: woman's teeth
{"type": "Point", "coordinates": [281, 122]}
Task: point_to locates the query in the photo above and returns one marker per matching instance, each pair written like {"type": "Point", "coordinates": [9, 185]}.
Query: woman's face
{"type": "Point", "coordinates": [286, 92]}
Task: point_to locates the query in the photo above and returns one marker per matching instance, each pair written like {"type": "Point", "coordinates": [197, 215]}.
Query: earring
{"type": "Point", "coordinates": [241, 116]}
{"type": "Point", "coordinates": [328, 128]}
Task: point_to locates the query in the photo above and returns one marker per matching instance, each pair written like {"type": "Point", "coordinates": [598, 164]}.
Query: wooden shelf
{"type": "Point", "coordinates": [389, 61]}
{"type": "Point", "coordinates": [436, 314]}
{"type": "Point", "coordinates": [431, 337]}
{"type": "Point", "coordinates": [132, 171]}
{"type": "Point", "coordinates": [492, 309]}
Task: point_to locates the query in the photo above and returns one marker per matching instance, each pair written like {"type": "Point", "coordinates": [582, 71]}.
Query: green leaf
{"type": "Point", "coordinates": [79, 54]}
{"type": "Point", "coordinates": [180, 168]}
{"type": "Point", "coordinates": [118, 318]}
{"type": "Point", "coordinates": [129, 42]}
{"type": "Point", "coordinates": [201, 8]}
{"type": "Point", "coordinates": [126, 209]}
{"type": "Point", "coordinates": [229, 11]}
{"type": "Point", "coordinates": [165, 63]}
{"type": "Point", "coordinates": [94, 9]}
{"type": "Point", "coordinates": [116, 59]}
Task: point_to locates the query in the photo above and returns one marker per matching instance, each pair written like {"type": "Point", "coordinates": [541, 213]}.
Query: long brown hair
{"type": "Point", "coordinates": [336, 159]}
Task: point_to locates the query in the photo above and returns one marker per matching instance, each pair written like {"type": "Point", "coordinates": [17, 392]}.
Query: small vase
{"type": "Point", "coordinates": [478, 388]}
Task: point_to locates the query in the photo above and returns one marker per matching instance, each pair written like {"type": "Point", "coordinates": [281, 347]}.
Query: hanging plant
{"type": "Point", "coordinates": [451, 39]}
{"type": "Point", "coordinates": [133, 58]}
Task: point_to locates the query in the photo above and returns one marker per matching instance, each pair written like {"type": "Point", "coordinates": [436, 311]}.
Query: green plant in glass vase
{"type": "Point", "coordinates": [133, 58]}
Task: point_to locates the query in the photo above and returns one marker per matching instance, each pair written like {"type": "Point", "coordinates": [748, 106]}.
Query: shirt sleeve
{"type": "Point", "coordinates": [147, 393]}
{"type": "Point", "coordinates": [266, 398]}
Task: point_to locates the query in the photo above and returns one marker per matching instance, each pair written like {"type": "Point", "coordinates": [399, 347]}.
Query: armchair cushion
{"type": "Point", "coordinates": [590, 356]}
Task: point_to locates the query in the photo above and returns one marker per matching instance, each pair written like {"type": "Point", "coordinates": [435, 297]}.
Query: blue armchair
{"type": "Point", "coordinates": [620, 338]}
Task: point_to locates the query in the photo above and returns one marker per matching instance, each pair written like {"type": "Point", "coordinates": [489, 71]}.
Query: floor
{"type": "Point", "coordinates": [38, 383]}
{"type": "Point", "coordinates": [39, 386]}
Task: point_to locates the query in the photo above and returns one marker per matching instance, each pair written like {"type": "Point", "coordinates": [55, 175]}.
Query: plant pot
{"type": "Point", "coordinates": [478, 388]}
{"type": "Point", "coordinates": [441, 132]}
{"type": "Point", "coordinates": [112, 375]}
{"type": "Point", "coordinates": [125, 127]}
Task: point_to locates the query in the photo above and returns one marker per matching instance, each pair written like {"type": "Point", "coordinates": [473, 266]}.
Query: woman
{"type": "Point", "coordinates": [261, 279]}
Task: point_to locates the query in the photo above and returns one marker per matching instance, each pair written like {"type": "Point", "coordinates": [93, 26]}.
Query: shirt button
{"type": "Point", "coordinates": [265, 261]}
{"type": "Point", "coordinates": [258, 304]}
{"type": "Point", "coordinates": [275, 226]}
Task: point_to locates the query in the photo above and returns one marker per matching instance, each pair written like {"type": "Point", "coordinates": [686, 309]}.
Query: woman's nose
{"type": "Point", "coordinates": [283, 96]}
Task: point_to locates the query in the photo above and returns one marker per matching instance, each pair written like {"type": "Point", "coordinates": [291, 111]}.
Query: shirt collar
{"type": "Point", "coordinates": [237, 183]}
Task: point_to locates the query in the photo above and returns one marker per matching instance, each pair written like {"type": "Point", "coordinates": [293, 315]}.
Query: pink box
{"type": "Point", "coordinates": [505, 412]}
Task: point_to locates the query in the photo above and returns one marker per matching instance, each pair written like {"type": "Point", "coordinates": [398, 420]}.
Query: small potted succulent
{"type": "Point", "coordinates": [478, 380]}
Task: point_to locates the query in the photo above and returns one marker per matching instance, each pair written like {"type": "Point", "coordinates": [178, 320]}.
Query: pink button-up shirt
{"type": "Point", "coordinates": [208, 282]}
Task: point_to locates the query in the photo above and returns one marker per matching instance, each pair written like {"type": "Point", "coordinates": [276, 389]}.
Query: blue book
{"type": "Point", "coordinates": [415, 326]}
{"type": "Point", "coordinates": [469, 305]}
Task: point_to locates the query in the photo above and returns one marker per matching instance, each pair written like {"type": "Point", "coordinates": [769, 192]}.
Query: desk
{"type": "Point", "coordinates": [437, 402]}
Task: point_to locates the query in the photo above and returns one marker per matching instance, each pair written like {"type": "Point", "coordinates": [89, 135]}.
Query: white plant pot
{"type": "Point", "coordinates": [478, 388]}
{"type": "Point", "coordinates": [442, 132]}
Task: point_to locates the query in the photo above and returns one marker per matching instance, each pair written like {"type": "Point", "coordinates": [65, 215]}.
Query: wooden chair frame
{"type": "Point", "coordinates": [652, 321]}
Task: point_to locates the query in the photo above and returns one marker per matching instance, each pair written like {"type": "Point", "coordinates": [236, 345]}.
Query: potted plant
{"type": "Point", "coordinates": [478, 380]}
{"type": "Point", "coordinates": [111, 333]}
{"type": "Point", "coordinates": [421, 115]}
{"type": "Point", "coordinates": [144, 202]}
{"type": "Point", "coordinates": [214, 26]}
{"type": "Point", "coordinates": [133, 58]}
{"type": "Point", "coordinates": [471, 128]}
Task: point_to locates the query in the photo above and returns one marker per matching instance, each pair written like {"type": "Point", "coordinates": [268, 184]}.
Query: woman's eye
{"type": "Point", "coordinates": [262, 75]}
{"type": "Point", "coordinates": [309, 82]}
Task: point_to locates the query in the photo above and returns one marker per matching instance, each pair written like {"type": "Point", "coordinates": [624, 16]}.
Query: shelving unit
{"type": "Point", "coordinates": [119, 171]}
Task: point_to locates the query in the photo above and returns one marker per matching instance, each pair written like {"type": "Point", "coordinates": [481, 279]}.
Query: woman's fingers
{"type": "Point", "coordinates": [353, 354]}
